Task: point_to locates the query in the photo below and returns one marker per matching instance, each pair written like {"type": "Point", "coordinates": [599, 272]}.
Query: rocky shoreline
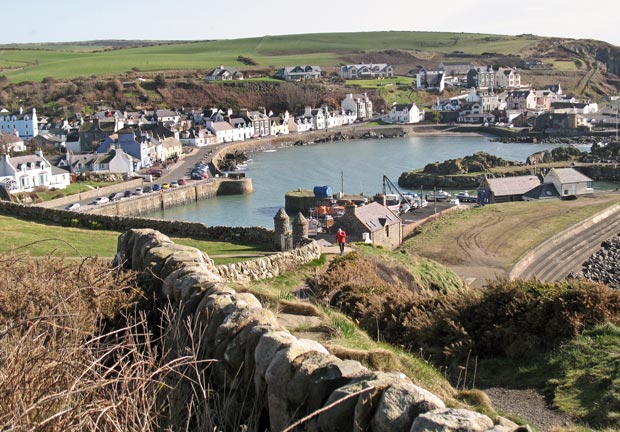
{"type": "Point", "coordinates": [545, 139]}
{"type": "Point", "coordinates": [604, 265]}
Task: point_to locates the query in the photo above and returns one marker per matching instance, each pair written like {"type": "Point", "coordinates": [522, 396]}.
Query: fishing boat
{"type": "Point", "coordinates": [440, 195]}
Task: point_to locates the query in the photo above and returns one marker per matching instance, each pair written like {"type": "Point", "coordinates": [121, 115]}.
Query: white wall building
{"type": "Point", "coordinates": [24, 173]}
{"type": "Point", "coordinates": [405, 113]}
{"type": "Point", "coordinates": [359, 105]}
{"type": "Point", "coordinates": [26, 125]}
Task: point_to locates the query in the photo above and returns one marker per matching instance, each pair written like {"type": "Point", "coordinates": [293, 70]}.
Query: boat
{"type": "Point", "coordinates": [466, 197]}
{"type": "Point", "coordinates": [392, 202]}
{"type": "Point", "coordinates": [440, 195]}
{"type": "Point", "coordinates": [415, 200]}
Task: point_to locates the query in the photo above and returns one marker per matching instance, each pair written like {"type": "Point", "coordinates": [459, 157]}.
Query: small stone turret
{"type": "Point", "coordinates": [282, 228]}
{"type": "Point", "coordinates": [300, 228]}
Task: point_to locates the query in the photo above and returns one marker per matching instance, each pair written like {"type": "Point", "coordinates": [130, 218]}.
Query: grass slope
{"type": "Point", "coordinates": [323, 49]}
{"type": "Point", "coordinates": [41, 240]}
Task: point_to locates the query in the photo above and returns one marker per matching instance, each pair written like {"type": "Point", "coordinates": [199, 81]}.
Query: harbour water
{"type": "Point", "coordinates": [362, 164]}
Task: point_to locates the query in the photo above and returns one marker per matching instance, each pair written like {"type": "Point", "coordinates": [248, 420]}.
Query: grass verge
{"type": "Point", "coordinates": [39, 239]}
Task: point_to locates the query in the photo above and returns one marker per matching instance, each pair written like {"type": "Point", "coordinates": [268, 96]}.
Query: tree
{"type": "Point", "coordinates": [160, 81]}
{"type": "Point", "coordinates": [433, 116]}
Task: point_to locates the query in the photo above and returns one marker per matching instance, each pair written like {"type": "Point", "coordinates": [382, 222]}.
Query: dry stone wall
{"type": "Point", "coordinates": [244, 235]}
{"type": "Point", "coordinates": [261, 364]}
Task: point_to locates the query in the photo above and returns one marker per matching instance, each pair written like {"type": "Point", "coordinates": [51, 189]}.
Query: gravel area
{"type": "Point", "coordinates": [530, 406]}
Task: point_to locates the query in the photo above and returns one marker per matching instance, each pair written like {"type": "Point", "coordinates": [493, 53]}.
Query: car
{"type": "Point", "coordinates": [155, 172]}
{"type": "Point", "coordinates": [73, 207]}
{"type": "Point", "coordinates": [148, 189]}
{"type": "Point", "coordinates": [174, 184]}
{"type": "Point", "coordinates": [116, 196]}
{"type": "Point", "coordinates": [101, 200]}
{"type": "Point", "coordinates": [127, 194]}
{"type": "Point", "coordinates": [197, 174]}
{"type": "Point", "coordinates": [181, 182]}
{"type": "Point", "coordinates": [165, 186]}
{"type": "Point", "coordinates": [138, 191]}
{"type": "Point", "coordinates": [156, 187]}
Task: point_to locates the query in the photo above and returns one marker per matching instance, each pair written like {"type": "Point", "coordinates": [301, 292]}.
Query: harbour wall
{"type": "Point", "coordinates": [262, 366]}
{"type": "Point", "coordinates": [92, 194]}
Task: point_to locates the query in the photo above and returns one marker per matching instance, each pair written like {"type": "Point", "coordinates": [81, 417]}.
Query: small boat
{"type": "Point", "coordinates": [439, 195]}
{"type": "Point", "coordinates": [392, 202]}
{"type": "Point", "coordinates": [466, 197]}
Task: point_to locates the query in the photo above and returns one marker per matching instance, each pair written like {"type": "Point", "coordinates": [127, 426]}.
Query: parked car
{"type": "Point", "coordinates": [155, 172]}
{"type": "Point", "coordinates": [148, 189]}
{"type": "Point", "coordinates": [116, 196]}
{"type": "Point", "coordinates": [73, 207]}
{"type": "Point", "coordinates": [197, 174]}
{"type": "Point", "coordinates": [127, 194]}
{"type": "Point", "coordinates": [165, 186]}
{"type": "Point", "coordinates": [138, 191]}
{"type": "Point", "coordinates": [181, 182]}
{"type": "Point", "coordinates": [174, 184]}
{"type": "Point", "coordinates": [156, 187]}
{"type": "Point", "coordinates": [101, 200]}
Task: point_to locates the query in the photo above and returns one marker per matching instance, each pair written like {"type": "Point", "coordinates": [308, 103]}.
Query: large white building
{"type": "Point", "coordinates": [366, 71]}
{"type": "Point", "coordinates": [26, 125]}
{"type": "Point", "coordinates": [405, 113]}
{"type": "Point", "coordinates": [24, 173]}
{"type": "Point", "coordinates": [359, 105]}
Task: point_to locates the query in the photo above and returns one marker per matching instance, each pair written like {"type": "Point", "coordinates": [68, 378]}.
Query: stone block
{"type": "Point", "coordinates": [400, 404]}
{"type": "Point", "coordinates": [451, 420]}
{"type": "Point", "coordinates": [277, 377]}
{"type": "Point", "coordinates": [268, 345]}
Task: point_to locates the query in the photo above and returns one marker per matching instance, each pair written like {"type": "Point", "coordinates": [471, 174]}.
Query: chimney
{"type": "Point", "coordinates": [349, 210]}
{"type": "Point", "coordinates": [308, 111]}
{"type": "Point", "coordinates": [21, 110]}
{"type": "Point", "coordinates": [38, 152]}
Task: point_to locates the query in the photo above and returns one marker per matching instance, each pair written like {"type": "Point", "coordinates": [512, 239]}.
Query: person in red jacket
{"type": "Point", "coordinates": [341, 239]}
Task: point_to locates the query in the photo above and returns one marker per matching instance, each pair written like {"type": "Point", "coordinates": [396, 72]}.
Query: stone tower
{"type": "Point", "coordinates": [300, 228]}
{"type": "Point", "coordinates": [282, 228]}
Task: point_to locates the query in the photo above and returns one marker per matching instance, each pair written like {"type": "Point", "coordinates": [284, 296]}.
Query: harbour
{"type": "Point", "coordinates": [352, 167]}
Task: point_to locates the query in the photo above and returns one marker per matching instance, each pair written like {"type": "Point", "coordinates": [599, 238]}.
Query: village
{"type": "Point", "coordinates": [130, 142]}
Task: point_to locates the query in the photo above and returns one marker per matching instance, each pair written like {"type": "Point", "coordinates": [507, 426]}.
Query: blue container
{"type": "Point", "coordinates": [322, 191]}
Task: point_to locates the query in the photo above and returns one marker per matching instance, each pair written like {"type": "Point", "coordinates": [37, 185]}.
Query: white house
{"type": "Point", "coordinates": [222, 130]}
{"type": "Point", "coordinates": [197, 138]}
{"type": "Point", "coordinates": [26, 125]}
{"type": "Point", "coordinates": [116, 161]}
{"type": "Point", "coordinates": [366, 71]}
{"type": "Point", "coordinates": [508, 78]}
{"type": "Point", "coordinates": [430, 80]}
{"type": "Point", "coordinates": [569, 181]}
{"type": "Point", "coordinates": [224, 74]}
{"type": "Point", "coordinates": [316, 116]}
{"type": "Point", "coordinates": [11, 143]}
{"type": "Point", "coordinates": [24, 173]}
{"type": "Point", "coordinates": [299, 73]}
{"type": "Point", "coordinates": [405, 113]}
{"type": "Point", "coordinates": [359, 105]}
{"type": "Point", "coordinates": [242, 128]}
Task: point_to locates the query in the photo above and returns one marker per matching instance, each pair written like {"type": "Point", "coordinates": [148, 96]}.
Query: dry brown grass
{"type": "Point", "coordinates": [76, 354]}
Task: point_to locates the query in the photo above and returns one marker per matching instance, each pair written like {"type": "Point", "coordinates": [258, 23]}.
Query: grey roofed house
{"type": "Point", "coordinates": [505, 189]}
{"type": "Point", "coordinates": [294, 73]}
{"type": "Point", "coordinates": [570, 175]}
{"type": "Point", "coordinates": [220, 126]}
{"type": "Point", "coordinates": [375, 216]}
{"type": "Point", "coordinates": [224, 73]}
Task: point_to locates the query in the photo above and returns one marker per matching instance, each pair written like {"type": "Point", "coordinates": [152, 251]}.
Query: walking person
{"type": "Point", "coordinates": [341, 239]}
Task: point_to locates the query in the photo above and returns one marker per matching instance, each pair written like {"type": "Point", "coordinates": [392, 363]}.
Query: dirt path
{"type": "Point", "coordinates": [530, 406]}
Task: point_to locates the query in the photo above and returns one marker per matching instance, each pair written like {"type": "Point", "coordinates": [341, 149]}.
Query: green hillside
{"type": "Point", "coordinates": [325, 49]}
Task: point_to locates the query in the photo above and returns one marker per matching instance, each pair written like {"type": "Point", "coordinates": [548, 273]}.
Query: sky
{"type": "Point", "coordinates": [72, 20]}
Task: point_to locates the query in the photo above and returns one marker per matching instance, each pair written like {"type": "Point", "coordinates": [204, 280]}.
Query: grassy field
{"type": "Point", "coordinates": [269, 51]}
{"type": "Point", "coordinates": [379, 83]}
{"type": "Point", "coordinates": [41, 240]}
{"type": "Point", "coordinates": [495, 236]}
